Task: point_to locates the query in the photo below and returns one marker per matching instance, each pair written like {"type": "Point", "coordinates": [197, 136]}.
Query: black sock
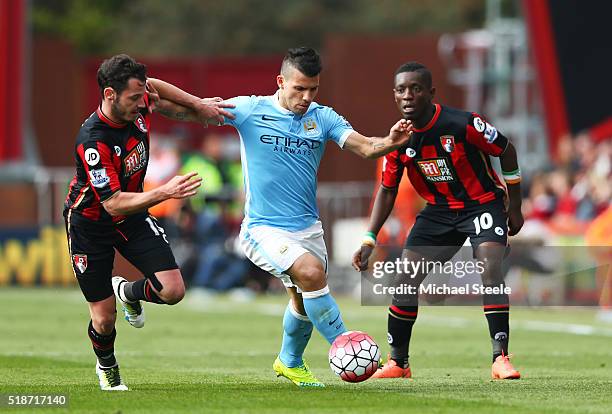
{"type": "Point", "coordinates": [103, 346]}
{"type": "Point", "coordinates": [399, 329]}
{"type": "Point", "coordinates": [141, 290]}
{"type": "Point", "coordinates": [497, 312]}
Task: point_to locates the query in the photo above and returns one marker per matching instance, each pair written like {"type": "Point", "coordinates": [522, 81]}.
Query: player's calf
{"type": "Point", "coordinates": [321, 308]}
{"type": "Point", "coordinates": [103, 345]}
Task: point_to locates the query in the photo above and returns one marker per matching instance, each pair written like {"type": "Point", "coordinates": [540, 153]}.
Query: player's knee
{"type": "Point", "coordinates": [492, 276]}
{"type": "Point", "coordinates": [312, 278]}
{"type": "Point", "coordinates": [104, 324]}
{"type": "Point", "coordinates": [173, 293]}
{"type": "Point", "coordinates": [169, 286]}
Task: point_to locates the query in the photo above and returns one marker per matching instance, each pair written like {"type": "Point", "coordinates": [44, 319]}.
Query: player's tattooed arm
{"type": "Point", "coordinates": [367, 147]}
{"type": "Point", "coordinates": [211, 110]}
{"type": "Point", "coordinates": [175, 111]}
{"type": "Point", "coordinates": [510, 168]}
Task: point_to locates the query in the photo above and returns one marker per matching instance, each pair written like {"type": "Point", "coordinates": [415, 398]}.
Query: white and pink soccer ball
{"type": "Point", "coordinates": [354, 356]}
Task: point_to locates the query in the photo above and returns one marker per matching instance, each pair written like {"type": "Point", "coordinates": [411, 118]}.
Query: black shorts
{"type": "Point", "coordinates": [439, 232]}
{"type": "Point", "coordinates": [139, 239]}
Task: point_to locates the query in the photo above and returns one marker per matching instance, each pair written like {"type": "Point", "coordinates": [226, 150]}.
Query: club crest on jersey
{"type": "Point", "coordinates": [436, 170]}
{"type": "Point", "coordinates": [140, 123]}
{"type": "Point", "coordinates": [410, 152]}
{"type": "Point", "coordinates": [80, 262]}
{"type": "Point", "coordinates": [310, 127]}
{"type": "Point", "coordinates": [135, 160]}
{"type": "Point", "coordinates": [479, 124]}
{"type": "Point", "coordinates": [448, 143]}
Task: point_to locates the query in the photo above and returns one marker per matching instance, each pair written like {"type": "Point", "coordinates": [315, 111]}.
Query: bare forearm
{"type": "Point", "coordinates": [173, 93]}
{"type": "Point", "coordinates": [175, 111]}
{"type": "Point", "coordinates": [376, 147]}
{"type": "Point", "coordinates": [383, 205]}
{"type": "Point", "coordinates": [126, 203]}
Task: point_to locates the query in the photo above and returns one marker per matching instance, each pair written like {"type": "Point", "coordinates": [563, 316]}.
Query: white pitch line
{"type": "Point", "coordinates": [572, 328]}
{"type": "Point", "coordinates": [271, 309]}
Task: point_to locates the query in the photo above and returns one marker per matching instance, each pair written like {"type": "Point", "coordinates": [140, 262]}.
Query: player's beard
{"type": "Point", "coordinates": [120, 113]}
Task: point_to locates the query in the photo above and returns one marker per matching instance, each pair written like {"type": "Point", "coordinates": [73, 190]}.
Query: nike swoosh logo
{"type": "Point", "coordinates": [267, 118]}
{"type": "Point", "coordinates": [334, 321]}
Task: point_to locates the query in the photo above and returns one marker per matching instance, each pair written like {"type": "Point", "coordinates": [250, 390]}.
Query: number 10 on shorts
{"type": "Point", "coordinates": [483, 222]}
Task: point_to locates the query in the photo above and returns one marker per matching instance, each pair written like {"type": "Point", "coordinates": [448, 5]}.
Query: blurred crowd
{"type": "Point", "coordinates": [569, 195]}
{"type": "Point", "coordinates": [570, 204]}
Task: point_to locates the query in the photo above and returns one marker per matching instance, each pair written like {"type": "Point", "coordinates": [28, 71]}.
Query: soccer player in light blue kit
{"type": "Point", "coordinates": [282, 140]}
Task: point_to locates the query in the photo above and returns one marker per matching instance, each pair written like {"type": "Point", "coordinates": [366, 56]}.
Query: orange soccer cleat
{"type": "Point", "coordinates": [392, 370]}
{"type": "Point", "coordinates": [503, 369]}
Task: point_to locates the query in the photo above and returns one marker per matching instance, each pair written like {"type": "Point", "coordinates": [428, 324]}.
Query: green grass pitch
{"type": "Point", "coordinates": [216, 357]}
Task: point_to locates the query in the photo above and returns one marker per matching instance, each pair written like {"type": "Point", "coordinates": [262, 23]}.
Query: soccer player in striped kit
{"type": "Point", "coordinates": [447, 162]}
{"type": "Point", "coordinates": [106, 207]}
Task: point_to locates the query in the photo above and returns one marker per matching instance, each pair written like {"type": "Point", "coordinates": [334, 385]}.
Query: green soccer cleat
{"type": "Point", "coordinates": [110, 379]}
{"type": "Point", "coordinates": [133, 311]}
{"type": "Point", "coordinates": [300, 376]}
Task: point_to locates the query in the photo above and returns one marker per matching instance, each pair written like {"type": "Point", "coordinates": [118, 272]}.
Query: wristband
{"type": "Point", "coordinates": [369, 239]}
{"type": "Point", "coordinates": [512, 177]}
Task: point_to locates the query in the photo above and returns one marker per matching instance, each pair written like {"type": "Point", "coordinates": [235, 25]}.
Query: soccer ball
{"type": "Point", "coordinates": [354, 356]}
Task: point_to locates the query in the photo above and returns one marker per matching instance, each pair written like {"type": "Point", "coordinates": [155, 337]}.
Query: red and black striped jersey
{"type": "Point", "coordinates": [109, 157]}
{"type": "Point", "coordinates": [448, 161]}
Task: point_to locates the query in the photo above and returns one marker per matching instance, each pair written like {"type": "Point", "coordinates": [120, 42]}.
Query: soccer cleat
{"type": "Point", "coordinates": [133, 311]}
{"type": "Point", "coordinates": [110, 379]}
{"type": "Point", "coordinates": [392, 370]}
{"type": "Point", "coordinates": [300, 376]}
{"type": "Point", "coordinates": [503, 369]}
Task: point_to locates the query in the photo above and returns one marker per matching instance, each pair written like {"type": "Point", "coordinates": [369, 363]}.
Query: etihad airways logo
{"type": "Point", "coordinates": [298, 146]}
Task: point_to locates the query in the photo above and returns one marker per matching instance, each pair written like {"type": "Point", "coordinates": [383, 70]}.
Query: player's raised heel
{"type": "Point", "coordinates": [110, 379]}
{"type": "Point", "coordinates": [392, 370]}
{"type": "Point", "coordinates": [300, 376]}
{"type": "Point", "coordinates": [503, 369]}
{"type": "Point", "coordinates": [133, 311]}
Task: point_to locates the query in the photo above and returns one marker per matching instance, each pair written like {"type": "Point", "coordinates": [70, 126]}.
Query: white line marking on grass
{"type": "Point", "coordinates": [271, 309]}
{"type": "Point", "coordinates": [572, 328]}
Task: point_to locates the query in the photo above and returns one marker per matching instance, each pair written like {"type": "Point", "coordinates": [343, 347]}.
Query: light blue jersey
{"type": "Point", "coordinates": [281, 153]}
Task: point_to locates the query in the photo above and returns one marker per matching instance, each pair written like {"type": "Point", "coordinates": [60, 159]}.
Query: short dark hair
{"type": "Point", "coordinates": [416, 67]}
{"type": "Point", "coordinates": [117, 71]}
{"type": "Point", "coordinates": [304, 59]}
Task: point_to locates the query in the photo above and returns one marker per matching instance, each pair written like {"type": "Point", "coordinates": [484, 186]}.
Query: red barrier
{"type": "Point", "coordinates": [11, 78]}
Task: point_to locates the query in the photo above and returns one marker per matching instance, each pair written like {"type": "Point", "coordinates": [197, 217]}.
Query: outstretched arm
{"type": "Point", "coordinates": [383, 205]}
{"type": "Point", "coordinates": [367, 147]}
{"type": "Point", "coordinates": [175, 111]}
{"type": "Point", "coordinates": [512, 176]}
{"type": "Point", "coordinates": [207, 110]}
